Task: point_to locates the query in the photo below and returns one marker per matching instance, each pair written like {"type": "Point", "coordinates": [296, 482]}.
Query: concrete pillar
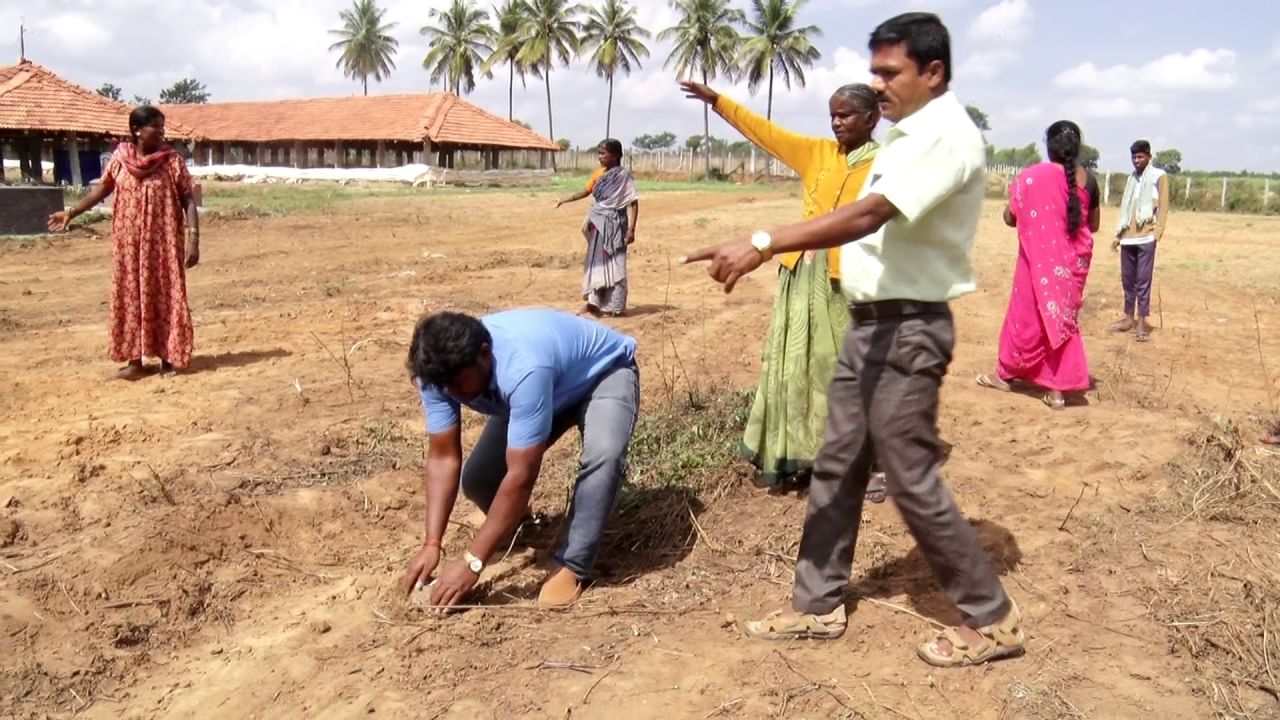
{"type": "Point", "coordinates": [73, 150]}
{"type": "Point", "coordinates": [380, 154]}
{"type": "Point", "coordinates": [426, 152]}
{"type": "Point", "coordinates": [339, 155]}
{"type": "Point", "coordinates": [542, 159]}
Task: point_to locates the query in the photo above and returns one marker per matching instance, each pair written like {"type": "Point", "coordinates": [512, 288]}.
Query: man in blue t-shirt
{"type": "Point", "coordinates": [535, 373]}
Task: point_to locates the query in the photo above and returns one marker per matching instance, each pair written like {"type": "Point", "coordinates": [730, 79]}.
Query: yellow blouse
{"type": "Point", "coordinates": [828, 181]}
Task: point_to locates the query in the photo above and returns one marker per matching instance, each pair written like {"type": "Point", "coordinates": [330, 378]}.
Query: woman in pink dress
{"type": "Point", "coordinates": [155, 236]}
{"type": "Point", "coordinates": [1054, 206]}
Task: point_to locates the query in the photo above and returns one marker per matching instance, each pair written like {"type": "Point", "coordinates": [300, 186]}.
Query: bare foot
{"type": "Point", "coordinates": [167, 369]}
{"type": "Point", "coordinates": [1270, 438]}
{"type": "Point", "coordinates": [1055, 400]}
{"type": "Point", "coordinates": [1121, 326]}
{"type": "Point", "coordinates": [1144, 330]}
{"type": "Point", "coordinates": [133, 371]}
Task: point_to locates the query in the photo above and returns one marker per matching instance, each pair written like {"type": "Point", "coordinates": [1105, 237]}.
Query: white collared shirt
{"type": "Point", "coordinates": [932, 168]}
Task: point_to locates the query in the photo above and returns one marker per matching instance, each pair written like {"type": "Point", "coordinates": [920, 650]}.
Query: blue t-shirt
{"type": "Point", "coordinates": [543, 362]}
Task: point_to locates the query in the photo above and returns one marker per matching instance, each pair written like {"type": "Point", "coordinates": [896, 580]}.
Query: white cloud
{"type": "Point", "coordinates": [1200, 69]}
{"type": "Point", "coordinates": [996, 33]}
{"type": "Point", "coordinates": [1257, 121]}
{"type": "Point", "coordinates": [1025, 114]}
{"type": "Point", "coordinates": [1008, 21]}
{"type": "Point", "coordinates": [1266, 105]}
{"type": "Point", "coordinates": [1108, 109]}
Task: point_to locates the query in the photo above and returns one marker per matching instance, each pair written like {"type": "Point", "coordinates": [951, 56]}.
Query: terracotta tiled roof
{"type": "Point", "coordinates": [440, 117]}
{"type": "Point", "coordinates": [34, 98]}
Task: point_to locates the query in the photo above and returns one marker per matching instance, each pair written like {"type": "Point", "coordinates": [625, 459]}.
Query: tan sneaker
{"type": "Point", "coordinates": [560, 590]}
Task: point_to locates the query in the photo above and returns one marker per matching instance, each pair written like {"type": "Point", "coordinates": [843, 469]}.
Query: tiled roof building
{"type": "Point", "coordinates": [377, 130]}
{"type": "Point", "coordinates": [41, 112]}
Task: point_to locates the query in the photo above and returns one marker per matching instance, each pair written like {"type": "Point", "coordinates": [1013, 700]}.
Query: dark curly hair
{"type": "Point", "coordinates": [445, 344]}
{"type": "Point", "coordinates": [1062, 139]}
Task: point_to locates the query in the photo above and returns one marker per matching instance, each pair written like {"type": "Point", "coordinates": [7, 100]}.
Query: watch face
{"type": "Point", "coordinates": [476, 566]}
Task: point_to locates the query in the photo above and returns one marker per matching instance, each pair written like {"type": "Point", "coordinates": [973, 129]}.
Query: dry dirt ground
{"type": "Point", "coordinates": [227, 543]}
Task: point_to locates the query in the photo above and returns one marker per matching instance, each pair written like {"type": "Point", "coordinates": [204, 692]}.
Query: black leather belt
{"type": "Point", "coordinates": [895, 309]}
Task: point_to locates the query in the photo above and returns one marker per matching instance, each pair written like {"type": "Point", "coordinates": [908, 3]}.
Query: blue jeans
{"type": "Point", "coordinates": [605, 417]}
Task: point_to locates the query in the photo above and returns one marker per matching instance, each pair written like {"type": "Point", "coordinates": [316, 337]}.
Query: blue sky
{"type": "Point", "coordinates": [1190, 75]}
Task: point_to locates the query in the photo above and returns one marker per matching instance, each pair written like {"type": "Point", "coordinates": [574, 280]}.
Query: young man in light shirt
{"type": "Point", "coordinates": [907, 254]}
{"type": "Point", "coordinates": [1144, 210]}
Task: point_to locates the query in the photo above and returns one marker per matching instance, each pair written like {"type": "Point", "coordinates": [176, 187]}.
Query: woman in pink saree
{"type": "Point", "coordinates": [1054, 206]}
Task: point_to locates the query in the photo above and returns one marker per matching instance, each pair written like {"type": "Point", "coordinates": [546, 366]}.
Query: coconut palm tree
{"type": "Point", "coordinates": [507, 39]}
{"type": "Point", "coordinates": [460, 43]}
{"type": "Point", "coordinates": [550, 38]}
{"type": "Point", "coordinates": [613, 38]}
{"type": "Point", "coordinates": [705, 44]}
{"type": "Point", "coordinates": [774, 44]}
{"type": "Point", "coordinates": [366, 44]}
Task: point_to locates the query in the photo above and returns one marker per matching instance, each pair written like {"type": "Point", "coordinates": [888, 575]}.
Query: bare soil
{"type": "Point", "coordinates": [227, 543]}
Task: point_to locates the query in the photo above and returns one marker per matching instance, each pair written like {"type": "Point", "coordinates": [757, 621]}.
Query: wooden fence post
{"type": "Point", "coordinates": [1186, 194]}
{"type": "Point", "coordinates": [1106, 192]}
{"type": "Point", "coordinates": [1266, 192]}
{"type": "Point", "coordinates": [1224, 193]}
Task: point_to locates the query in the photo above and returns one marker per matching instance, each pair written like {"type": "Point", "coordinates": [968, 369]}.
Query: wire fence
{"type": "Point", "coordinates": [1188, 191]}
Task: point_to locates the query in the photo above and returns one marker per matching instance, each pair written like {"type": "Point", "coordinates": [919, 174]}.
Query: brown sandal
{"type": "Point", "coordinates": [876, 491]}
{"type": "Point", "coordinates": [1001, 640]}
{"type": "Point", "coordinates": [779, 625]}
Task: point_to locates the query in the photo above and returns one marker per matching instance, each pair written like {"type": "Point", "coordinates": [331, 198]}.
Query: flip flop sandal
{"type": "Point", "coordinates": [987, 381]}
{"type": "Point", "coordinates": [1142, 336]}
{"type": "Point", "coordinates": [1002, 640]}
{"type": "Point", "coordinates": [1053, 403]}
{"type": "Point", "coordinates": [876, 490]}
{"type": "Point", "coordinates": [806, 626]}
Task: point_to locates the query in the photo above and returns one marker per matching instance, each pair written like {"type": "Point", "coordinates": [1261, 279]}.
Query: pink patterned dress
{"type": "Point", "coordinates": [149, 312]}
{"type": "Point", "coordinates": [1040, 342]}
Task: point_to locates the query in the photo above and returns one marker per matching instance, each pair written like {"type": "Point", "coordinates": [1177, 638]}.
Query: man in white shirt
{"type": "Point", "coordinates": [1144, 211]}
{"type": "Point", "coordinates": [907, 254]}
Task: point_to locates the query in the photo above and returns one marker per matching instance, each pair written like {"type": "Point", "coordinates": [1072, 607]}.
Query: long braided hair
{"type": "Point", "coordinates": [1063, 142]}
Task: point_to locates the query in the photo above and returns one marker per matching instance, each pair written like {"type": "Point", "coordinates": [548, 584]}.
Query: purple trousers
{"type": "Point", "coordinates": [1137, 265]}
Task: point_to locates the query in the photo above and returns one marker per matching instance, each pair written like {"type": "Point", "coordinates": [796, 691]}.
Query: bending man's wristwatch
{"type": "Point", "coordinates": [475, 564]}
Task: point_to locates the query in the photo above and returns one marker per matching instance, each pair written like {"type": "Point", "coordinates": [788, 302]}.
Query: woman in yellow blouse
{"type": "Point", "coordinates": [810, 314]}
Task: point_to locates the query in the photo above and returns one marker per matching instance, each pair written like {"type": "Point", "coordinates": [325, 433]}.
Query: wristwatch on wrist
{"type": "Point", "coordinates": [763, 243]}
{"type": "Point", "coordinates": [475, 564]}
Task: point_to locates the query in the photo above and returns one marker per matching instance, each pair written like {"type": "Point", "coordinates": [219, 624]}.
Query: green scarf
{"type": "Point", "coordinates": [866, 152]}
{"type": "Point", "coordinates": [1140, 190]}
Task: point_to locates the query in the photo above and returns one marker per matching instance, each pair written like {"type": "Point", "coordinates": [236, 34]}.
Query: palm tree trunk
{"type": "Point", "coordinates": [511, 91]}
{"type": "Point", "coordinates": [768, 113]}
{"type": "Point", "coordinates": [551, 127]}
{"type": "Point", "coordinates": [365, 78]}
{"type": "Point", "coordinates": [608, 114]}
{"type": "Point", "coordinates": [706, 128]}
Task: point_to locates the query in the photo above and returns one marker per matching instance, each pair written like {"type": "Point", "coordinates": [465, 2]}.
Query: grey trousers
{"type": "Point", "coordinates": [606, 418]}
{"type": "Point", "coordinates": [883, 404]}
{"type": "Point", "coordinates": [1137, 266]}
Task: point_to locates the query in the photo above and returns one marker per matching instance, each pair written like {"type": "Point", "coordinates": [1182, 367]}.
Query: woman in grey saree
{"type": "Point", "coordinates": [609, 228]}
